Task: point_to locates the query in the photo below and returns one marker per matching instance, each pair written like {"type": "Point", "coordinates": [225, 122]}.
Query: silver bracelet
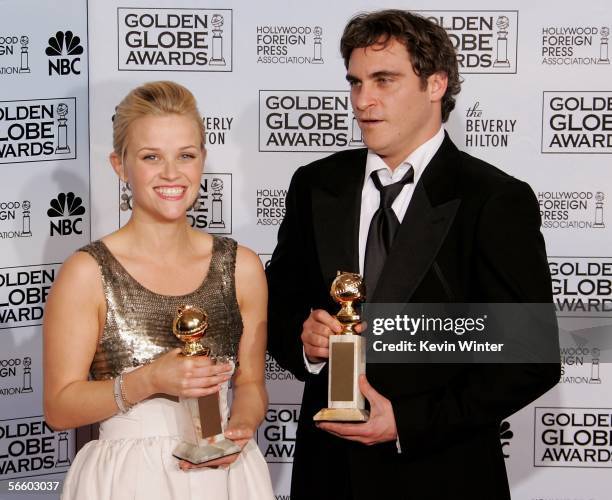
{"type": "Point", "coordinates": [127, 405]}
{"type": "Point", "coordinates": [118, 396]}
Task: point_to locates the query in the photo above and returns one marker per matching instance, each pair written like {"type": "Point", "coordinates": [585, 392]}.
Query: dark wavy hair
{"type": "Point", "coordinates": [429, 47]}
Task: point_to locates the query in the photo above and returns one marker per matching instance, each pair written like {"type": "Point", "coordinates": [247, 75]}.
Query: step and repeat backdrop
{"type": "Point", "coordinates": [536, 102]}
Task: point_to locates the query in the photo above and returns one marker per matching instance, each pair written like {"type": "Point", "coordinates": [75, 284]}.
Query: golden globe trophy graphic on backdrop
{"type": "Point", "coordinates": [346, 355]}
{"type": "Point", "coordinates": [201, 429]}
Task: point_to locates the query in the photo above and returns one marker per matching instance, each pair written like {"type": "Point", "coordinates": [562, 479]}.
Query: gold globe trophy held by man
{"type": "Point", "coordinates": [201, 429]}
{"type": "Point", "coordinates": [346, 355]}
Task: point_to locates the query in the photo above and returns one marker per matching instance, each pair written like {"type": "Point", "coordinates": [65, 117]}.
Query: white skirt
{"type": "Point", "coordinates": [133, 460]}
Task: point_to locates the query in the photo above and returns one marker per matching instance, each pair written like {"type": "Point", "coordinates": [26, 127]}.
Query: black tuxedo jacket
{"type": "Point", "coordinates": [471, 234]}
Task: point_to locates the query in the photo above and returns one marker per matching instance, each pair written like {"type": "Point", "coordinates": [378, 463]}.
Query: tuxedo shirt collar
{"type": "Point", "coordinates": [419, 159]}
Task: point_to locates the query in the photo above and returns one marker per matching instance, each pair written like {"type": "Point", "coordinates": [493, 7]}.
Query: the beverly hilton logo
{"type": "Point", "coordinates": [63, 49]}
{"type": "Point", "coordinates": [483, 130]}
{"type": "Point", "coordinates": [169, 39]}
{"type": "Point", "coordinates": [485, 41]}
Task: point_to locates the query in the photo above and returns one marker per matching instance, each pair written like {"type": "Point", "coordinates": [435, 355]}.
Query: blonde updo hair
{"type": "Point", "coordinates": [153, 99]}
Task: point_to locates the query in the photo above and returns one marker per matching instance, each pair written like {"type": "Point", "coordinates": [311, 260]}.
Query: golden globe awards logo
{"type": "Point", "coordinates": [15, 219]}
{"type": "Point", "coordinates": [582, 286]}
{"type": "Point", "coordinates": [14, 54]}
{"type": "Point", "coordinates": [577, 122]}
{"type": "Point", "coordinates": [483, 131]}
{"type": "Point", "coordinates": [174, 39]}
{"type": "Point", "coordinates": [23, 294]}
{"type": "Point", "coordinates": [306, 121]}
{"type": "Point", "coordinates": [276, 435]}
{"type": "Point", "coordinates": [38, 130]}
{"type": "Point", "coordinates": [289, 44]}
{"type": "Point", "coordinates": [270, 206]}
{"type": "Point", "coordinates": [575, 45]}
{"type": "Point", "coordinates": [212, 209]}
{"type": "Point", "coordinates": [573, 437]}
{"type": "Point", "coordinates": [572, 210]}
{"type": "Point", "coordinates": [30, 448]}
{"type": "Point", "coordinates": [485, 41]}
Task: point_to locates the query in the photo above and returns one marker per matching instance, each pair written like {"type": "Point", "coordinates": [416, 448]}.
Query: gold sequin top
{"type": "Point", "coordinates": [138, 326]}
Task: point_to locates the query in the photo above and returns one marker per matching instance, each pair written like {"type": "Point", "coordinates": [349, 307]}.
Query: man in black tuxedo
{"type": "Point", "coordinates": [452, 229]}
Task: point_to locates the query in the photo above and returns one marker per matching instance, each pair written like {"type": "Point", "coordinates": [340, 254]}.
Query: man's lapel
{"type": "Point", "coordinates": [429, 216]}
{"type": "Point", "coordinates": [336, 205]}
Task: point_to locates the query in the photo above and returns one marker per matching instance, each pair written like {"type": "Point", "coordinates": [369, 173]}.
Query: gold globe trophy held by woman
{"type": "Point", "coordinates": [202, 429]}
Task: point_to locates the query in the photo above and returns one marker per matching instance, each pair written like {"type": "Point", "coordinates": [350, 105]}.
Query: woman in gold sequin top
{"type": "Point", "coordinates": [110, 355]}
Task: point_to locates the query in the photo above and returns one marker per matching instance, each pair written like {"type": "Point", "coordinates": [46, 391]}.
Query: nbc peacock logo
{"type": "Point", "coordinates": [64, 212]}
{"type": "Point", "coordinates": [63, 50]}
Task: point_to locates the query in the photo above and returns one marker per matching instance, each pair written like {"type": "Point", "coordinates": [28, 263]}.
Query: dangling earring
{"type": "Point", "coordinates": [196, 205]}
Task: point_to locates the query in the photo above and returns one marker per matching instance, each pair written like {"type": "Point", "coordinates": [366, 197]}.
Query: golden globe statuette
{"type": "Point", "coordinates": [346, 355]}
{"type": "Point", "coordinates": [201, 427]}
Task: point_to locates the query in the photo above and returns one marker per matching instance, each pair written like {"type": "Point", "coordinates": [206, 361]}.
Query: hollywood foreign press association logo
{"type": "Point", "coordinates": [580, 362]}
{"type": "Point", "coordinates": [65, 212]}
{"type": "Point", "coordinates": [63, 50]}
{"type": "Point", "coordinates": [14, 54]}
{"type": "Point", "coordinates": [19, 372]}
{"type": "Point", "coordinates": [575, 45]}
{"type": "Point", "coordinates": [485, 41]}
{"type": "Point", "coordinates": [15, 219]}
{"type": "Point", "coordinates": [289, 44]}
{"type": "Point", "coordinates": [270, 206]}
{"type": "Point", "coordinates": [212, 209]}
{"type": "Point", "coordinates": [169, 39]}
{"type": "Point", "coordinates": [572, 210]}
